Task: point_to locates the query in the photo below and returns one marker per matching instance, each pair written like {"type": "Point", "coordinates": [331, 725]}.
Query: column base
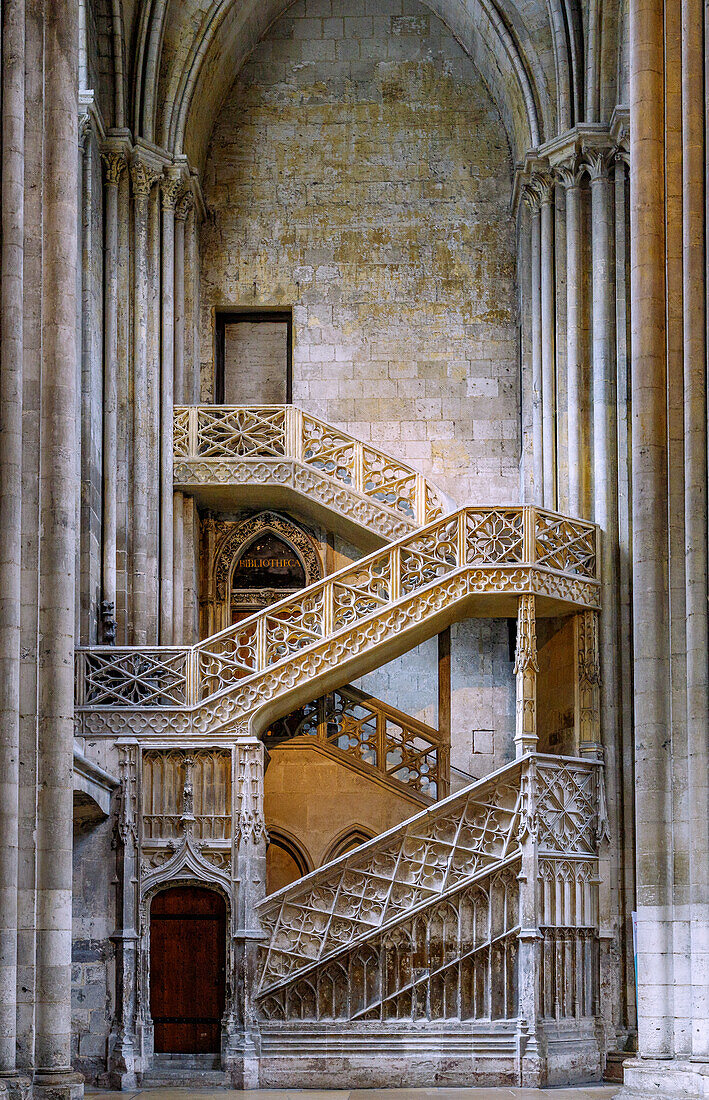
{"type": "Point", "coordinates": [58, 1086]}
{"type": "Point", "coordinates": [673, 1079]}
{"type": "Point", "coordinates": [15, 1086]}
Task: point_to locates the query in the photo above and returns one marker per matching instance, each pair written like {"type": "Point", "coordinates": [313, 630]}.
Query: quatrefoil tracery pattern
{"type": "Point", "coordinates": [430, 856]}
{"type": "Point", "coordinates": [356, 609]}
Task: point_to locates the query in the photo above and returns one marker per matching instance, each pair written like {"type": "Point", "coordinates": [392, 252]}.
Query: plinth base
{"type": "Point", "coordinates": [58, 1086]}
{"type": "Point", "coordinates": [673, 1079]}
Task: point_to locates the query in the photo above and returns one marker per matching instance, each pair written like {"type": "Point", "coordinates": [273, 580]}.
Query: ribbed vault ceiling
{"type": "Point", "coordinates": [547, 63]}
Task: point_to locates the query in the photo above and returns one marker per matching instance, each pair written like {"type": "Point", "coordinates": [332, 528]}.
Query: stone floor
{"type": "Point", "coordinates": [579, 1092]}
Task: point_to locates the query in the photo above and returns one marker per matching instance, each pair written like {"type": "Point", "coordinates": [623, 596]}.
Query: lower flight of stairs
{"type": "Point", "coordinates": [187, 1071]}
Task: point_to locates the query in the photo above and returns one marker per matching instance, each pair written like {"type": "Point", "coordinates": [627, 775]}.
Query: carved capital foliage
{"type": "Point", "coordinates": [544, 182]}
{"type": "Point", "coordinates": [169, 189]}
{"type": "Point", "coordinates": [114, 165]}
{"type": "Point", "coordinates": [531, 196]}
{"type": "Point", "coordinates": [597, 162]}
{"type": "Point", "coordinates": [143, 178]}
{"type": "Point", "coordinates": [184, 204]}
{"type": "Point", "coordinates": [568, 173]}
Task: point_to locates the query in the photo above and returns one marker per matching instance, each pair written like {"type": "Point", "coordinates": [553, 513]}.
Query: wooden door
{"type": "Point", "coordinates": [187, 969]}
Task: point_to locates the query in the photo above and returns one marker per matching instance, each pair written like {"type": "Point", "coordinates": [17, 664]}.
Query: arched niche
{"type": "Point", "coordinates": [286, 860]}
{"type": "Point", "coordinates": [347, 841]}
{"type": "Point", "coordinates": [252, 564]}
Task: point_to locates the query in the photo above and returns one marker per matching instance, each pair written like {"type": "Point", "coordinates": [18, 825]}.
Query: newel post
{"type": "Point", "coordinates": [250, 841]}
{"type": "Point", "coordinates": [531, 1046]}
{"type": "Point", "coordinates": [526, 676]}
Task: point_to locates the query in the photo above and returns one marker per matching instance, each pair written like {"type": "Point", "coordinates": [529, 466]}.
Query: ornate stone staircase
{"type": "Point", "coordinates": [420, 940]}
{"type": "Point", "coordinates": [465, 943]}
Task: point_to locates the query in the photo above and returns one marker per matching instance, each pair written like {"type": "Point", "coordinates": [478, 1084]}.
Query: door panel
{"type": "Point", "coordinates": [187, 969]}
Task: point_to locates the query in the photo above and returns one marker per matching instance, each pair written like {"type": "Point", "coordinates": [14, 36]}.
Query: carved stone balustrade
{"type": "Point", "coordinates": [418, 937]}
{"type": "Point", "coordinates": [274, 450]}
{"type": "Point", "coordinates": [477, 561]}
{"type": "Point", "coordinates": [371, 736]}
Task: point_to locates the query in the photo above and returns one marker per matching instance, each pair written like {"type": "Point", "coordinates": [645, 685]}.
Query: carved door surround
{"type": "Point", "coordinates": [225, 543]}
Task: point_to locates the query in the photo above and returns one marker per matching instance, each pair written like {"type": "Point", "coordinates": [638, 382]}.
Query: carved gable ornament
{"type": "Point", "coordinates": [237, 540]}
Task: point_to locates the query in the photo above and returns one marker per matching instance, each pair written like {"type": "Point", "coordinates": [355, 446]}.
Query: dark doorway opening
{"type": "Point", "coordinates": [187, 970]}
{"type": "Point", "coordinates": [254, 353]}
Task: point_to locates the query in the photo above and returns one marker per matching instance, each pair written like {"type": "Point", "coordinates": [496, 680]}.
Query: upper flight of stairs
{"type": "Point", "coordinates": [267, 453]}
{"type": "Point", "coordinates": [476, 560]}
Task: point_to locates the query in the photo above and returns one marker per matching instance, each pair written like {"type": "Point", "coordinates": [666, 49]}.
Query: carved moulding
{"type": "Point", "coordinates": [371, 514]}
{"type": "Point", "coordinates": [238, 536]}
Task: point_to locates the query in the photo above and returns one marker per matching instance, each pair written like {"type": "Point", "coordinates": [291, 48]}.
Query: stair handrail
{"type": "Point", "coordinates": [428, 766]}
{"type": "Point", "coordinates": [507, 539]}
{"type": "Point", "coordinates": [206, 433]}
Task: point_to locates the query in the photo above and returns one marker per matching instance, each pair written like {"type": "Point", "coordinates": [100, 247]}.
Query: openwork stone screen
{"type": "Point", "coordinates": [435, 572]}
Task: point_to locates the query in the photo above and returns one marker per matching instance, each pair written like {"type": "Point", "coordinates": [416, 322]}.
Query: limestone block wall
{"type": "Point", "coordinates": [316, 800]}
{"type": "Point", "coordinates": [360, 173]}
{"type": "Point", "coordinates": [482, 697]}
{"type": "Point", "coordinates": [93, 922]}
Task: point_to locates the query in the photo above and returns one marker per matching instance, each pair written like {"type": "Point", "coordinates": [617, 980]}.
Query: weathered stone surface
{"type": "Point", "coordinates": [359, 171]}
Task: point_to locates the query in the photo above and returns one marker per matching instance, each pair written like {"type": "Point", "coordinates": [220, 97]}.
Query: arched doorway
{"type": "Point", "coordinates": [187, 969]}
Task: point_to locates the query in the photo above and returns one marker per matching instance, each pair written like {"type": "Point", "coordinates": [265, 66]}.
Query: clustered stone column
{"type": "Point", "coordinates": [11, 376]}
{"type": "Point", "coordinates": [169, 188]}
{"type": "Point", "coordinates": [668, 224]}
{"type": "Point", "coordinates": [587, 173]}
{"type": "Point", "coordinates": [143, 177]}
{"type": "Point", "coordinates": [57, 558]}
{"type": "Point", "coordinates": [115, 165]}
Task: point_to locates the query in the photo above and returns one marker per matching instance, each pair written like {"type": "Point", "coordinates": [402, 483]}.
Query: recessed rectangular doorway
{"type": "Point", "coordinates": [254, 358]}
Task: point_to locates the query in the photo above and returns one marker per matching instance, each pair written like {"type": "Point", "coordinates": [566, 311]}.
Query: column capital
{"type": "Point", "coordinates": [568, 172]}
{"type": "Point", "coordinates": [184, 204]}
{"type": "Point", "coordinates": [597, 162]}
{"type": "Point", "coordinates": [539, 189]}
{"type": "Point", "coordinates": [114, 165]}
{"type": "Point", "coordinates": [143, 177]}
{"type": "Point", "coordinates": [169, 188]}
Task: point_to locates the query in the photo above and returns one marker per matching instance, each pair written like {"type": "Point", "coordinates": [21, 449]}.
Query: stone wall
{"type": "Point", "coordinates": [360, 172]}
{"type": "Point", "coordinates": [93, 922]}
